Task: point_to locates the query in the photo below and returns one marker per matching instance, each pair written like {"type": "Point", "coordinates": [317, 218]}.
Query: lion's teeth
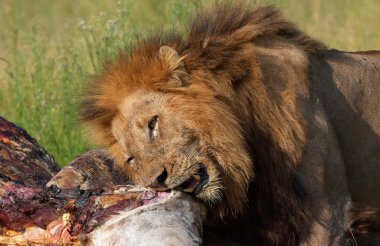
{"type": "Point", "coordinates": [190, 185]}
{"type": "Point", "coordinates": [197, 177]}
{"type": "Point", "coordinates": [189, 189]}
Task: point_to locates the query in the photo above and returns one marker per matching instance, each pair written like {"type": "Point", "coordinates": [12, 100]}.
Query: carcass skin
{"type": "Point", "coordinates": [177, 220]}
{"type": "Point", "coordinates": [86, 203]}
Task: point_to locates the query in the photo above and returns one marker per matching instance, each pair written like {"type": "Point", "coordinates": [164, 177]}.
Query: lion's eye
{"type": "Point", "coordinates": [153, 127]}
{"type": "Point", "coordinates": [130, 159]}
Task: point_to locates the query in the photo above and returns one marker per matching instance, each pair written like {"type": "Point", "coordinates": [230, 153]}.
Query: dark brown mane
{"type": "Point", "coordinates": [231, 25]}
{"type": "Point", "coordinates": [217, 41]}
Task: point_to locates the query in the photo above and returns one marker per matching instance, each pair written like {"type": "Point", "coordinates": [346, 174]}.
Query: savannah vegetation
{"type": "Point", "coordinates": [48, 49]}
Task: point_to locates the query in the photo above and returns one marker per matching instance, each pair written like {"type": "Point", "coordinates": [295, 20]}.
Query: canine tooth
{"type": "Point", "coordinates": [192, 183]}
{"type": "Point", "coordinates": [189, 189]}
{"type": "Point", "coordinates": [197, 177]}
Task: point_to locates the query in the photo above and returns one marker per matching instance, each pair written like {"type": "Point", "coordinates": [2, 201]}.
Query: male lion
{"type": "Point", "coordinates": [277, 133]}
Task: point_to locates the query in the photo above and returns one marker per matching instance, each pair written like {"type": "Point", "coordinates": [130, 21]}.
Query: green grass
{"type": "Point", "coordinates": [48, 48]}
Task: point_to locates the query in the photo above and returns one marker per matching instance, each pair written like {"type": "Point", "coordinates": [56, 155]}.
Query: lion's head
{"type": "Point", "coordinates": [191, 114]}
{"type": "Point", "coordinates": [166, 128]}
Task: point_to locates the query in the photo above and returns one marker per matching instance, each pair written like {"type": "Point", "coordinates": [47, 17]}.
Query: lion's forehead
{"type": "Point", "coordinates": [141, 100]}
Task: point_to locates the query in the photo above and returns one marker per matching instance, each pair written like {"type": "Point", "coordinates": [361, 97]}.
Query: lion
{"type": "Point", "coordinates": [278, 134]}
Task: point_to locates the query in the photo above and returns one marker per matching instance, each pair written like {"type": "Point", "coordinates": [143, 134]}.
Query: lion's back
{"type": "Point", "coordinates": [350, 87]}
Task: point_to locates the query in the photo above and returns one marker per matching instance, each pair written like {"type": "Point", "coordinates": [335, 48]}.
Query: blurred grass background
{"type": "Point", "coordinates": [48, 48]}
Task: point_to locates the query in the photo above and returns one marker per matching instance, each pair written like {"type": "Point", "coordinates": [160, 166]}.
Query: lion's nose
{"type": "Point", "coordinates": [159, 182]}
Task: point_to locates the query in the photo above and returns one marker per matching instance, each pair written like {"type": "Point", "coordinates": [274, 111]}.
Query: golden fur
{"type": "Point", "coordinates": [226, 98]}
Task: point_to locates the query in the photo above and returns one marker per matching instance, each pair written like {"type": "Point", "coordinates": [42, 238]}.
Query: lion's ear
{"type": "Point", "coordinates": [174, 63]}
{"type": "Point", "coordinates": [170, 57]}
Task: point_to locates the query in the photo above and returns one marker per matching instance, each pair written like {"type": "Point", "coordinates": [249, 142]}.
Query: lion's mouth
{"type": "Point", "coordinates": [196, 182]}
